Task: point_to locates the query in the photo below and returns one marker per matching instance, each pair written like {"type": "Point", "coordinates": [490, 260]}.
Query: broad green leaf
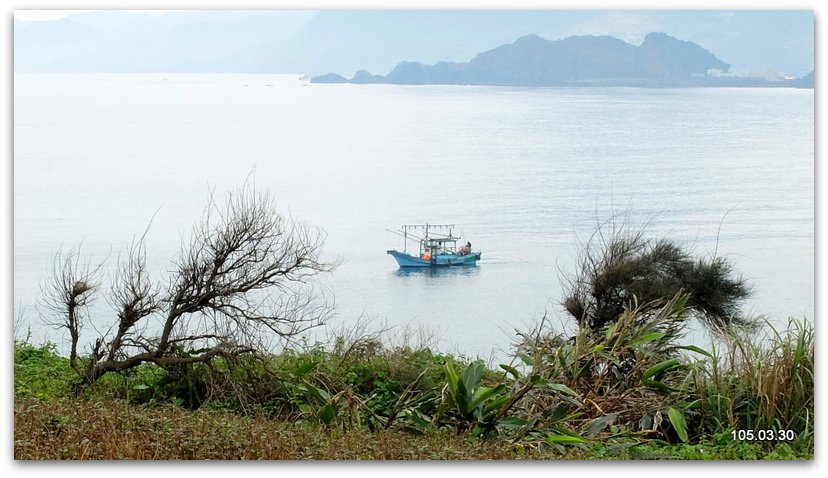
{"type": "Point", "coordinates": [419, 420]}
{"type": "Point", "coordinates": [140, 387]}
{"type": "Point", "coordinates": [564, 439]}
{"type": "Point", "coordinates": [572, 416]}
{"type": "Point", "coordinates": [327, 414]}
{"type": "Point", "coordinates": [512, 422]}
{"type": "Point", "coordinates": [655, 384]}
{"type": "Point", "coordinates": [318, 393]}
{"type": "Point", "coordinates": [512, 370]}
{"type": "Point", "coordinates": [526, 359]}
{"type": "Point", "coordinates": [651, 337]}
{"type": "Point", "coordinates": [563, 389]}
{"type": "Point", "coordinates": [678, 422]}
{"type": "Point", "coordinates": [304, 369]}
{"type": "Point", "coordinates": [323, 394]}
{"type": "Point", "coordinates": [698, 350]}
{"type": "Point", "coordinates": [495, 404]}
{"type": "Point", "coordinates": [462, 398]}
{"type": "Point", "coordinates": [452, 378]}
{"type": "Point", "coordinates": [660, 367]}
{"type": "Point", "coordinates": [484, 393]}
{"type": "Point", "coordinates": [472, 376]}
{"type": "Point", "coordinates": [599, 424]}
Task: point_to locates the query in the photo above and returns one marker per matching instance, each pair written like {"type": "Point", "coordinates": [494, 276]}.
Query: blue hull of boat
{"type": "Point", "coordinates": [407, 260]}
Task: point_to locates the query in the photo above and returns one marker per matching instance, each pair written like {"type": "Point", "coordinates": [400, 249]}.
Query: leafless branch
{"type": "Point", "coordinates": [246, 272]}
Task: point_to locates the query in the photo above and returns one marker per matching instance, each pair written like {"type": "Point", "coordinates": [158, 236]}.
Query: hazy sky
{"type": "Point", "coordinates": [35, 15]}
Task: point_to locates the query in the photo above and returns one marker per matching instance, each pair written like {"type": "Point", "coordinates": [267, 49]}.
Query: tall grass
{"type": "Point", "coordinates": [761, 380]}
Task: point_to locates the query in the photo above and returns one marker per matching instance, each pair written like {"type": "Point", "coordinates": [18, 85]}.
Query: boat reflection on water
{"type": "Point", "coordinates": [438, 272]}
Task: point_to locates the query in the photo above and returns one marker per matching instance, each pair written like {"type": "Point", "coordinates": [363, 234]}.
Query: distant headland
{"type": "Point", "coordinates": [660, 61]}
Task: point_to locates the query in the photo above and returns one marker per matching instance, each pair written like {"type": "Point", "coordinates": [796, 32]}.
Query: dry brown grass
{"type": "Point", "coordinates": [69, 429]}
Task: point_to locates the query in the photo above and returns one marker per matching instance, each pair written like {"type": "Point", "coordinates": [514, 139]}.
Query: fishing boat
{"type": "Point", "coordinates": [436, 247]}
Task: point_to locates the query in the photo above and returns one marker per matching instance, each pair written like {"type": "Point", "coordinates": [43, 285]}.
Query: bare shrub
{"type": "Point", "coordinates": [244, 277]}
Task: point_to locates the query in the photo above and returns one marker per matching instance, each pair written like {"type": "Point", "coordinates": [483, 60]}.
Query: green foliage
{"type": "Point", "coordinates": [149, 384]}
{"type": "Point", "coordinates": [564, 439]}
{"type": "Point", "coordinates": [40, 372]}
{"type": "Point", "coordinates": [678, 422]}
{"type": "Point", "coordinates": [619, 379]}
{"type": "Point", "coordinates": [472, 405]}
{"type": "Point", "coordinates": [628, 390]}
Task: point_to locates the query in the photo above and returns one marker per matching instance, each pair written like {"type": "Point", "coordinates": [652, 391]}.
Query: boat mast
{"type": "Point", "coordinates": [426, 243]}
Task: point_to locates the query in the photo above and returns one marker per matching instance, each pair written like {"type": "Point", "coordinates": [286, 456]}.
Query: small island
{"type": "Point", "coordinates": [588, 60]}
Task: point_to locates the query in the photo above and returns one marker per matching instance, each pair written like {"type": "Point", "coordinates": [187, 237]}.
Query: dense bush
{"type": "Point", "coordinates": [40, 372]}
{"type": "Point", "coordinates": [619, 263]}
{"type": "Point", "coordinates": [628, 373]}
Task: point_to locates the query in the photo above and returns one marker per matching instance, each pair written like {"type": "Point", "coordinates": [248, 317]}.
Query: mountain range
{"type": "Point", "coordinates": [315, 42]}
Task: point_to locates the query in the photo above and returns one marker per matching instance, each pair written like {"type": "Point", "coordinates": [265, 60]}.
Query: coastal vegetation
{"type": "Point", "coordinates": [210, 383]}
{"type": "Point", "coordinates": [357, 398]}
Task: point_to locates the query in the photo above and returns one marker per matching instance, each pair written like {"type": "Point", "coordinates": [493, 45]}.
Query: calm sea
{"type": "Point", "coordinates": [524, 173]}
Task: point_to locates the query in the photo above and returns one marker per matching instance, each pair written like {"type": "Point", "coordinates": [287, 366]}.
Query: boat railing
{"type": "Point", "coordinates": [430, 234]}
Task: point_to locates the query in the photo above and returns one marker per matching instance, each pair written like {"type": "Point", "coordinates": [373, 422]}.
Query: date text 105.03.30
{"type": "Point", "coordinates": [763, 435]}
